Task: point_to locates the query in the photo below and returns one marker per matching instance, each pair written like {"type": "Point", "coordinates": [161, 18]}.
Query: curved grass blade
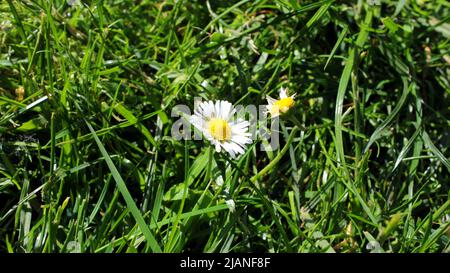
{"type": "Point", "coordinates": [406, 148]}
{"type": "Point", "coordinates": [135, 121]}
{"type": "Point", "coordinates": [338, 43]}
{"type": "Point", "coordinates": [363, 35]}
{"type": "Point", "coordinates": [151, 241]}
{"type": "Point", "coordinates": [378, 132]}
{"type": "Point", "coordinates": [434, 150]}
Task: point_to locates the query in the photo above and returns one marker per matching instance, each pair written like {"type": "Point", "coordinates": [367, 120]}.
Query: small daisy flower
{"type": "Point", "coordinates": [281, 106]}
{"type": "Point", "coordinates": [214, 121]}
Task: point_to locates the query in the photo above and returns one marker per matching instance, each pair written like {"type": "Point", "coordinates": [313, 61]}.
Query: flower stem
{"type": "Point", "coordinates": [294, 120]}
{"type": "Point", "coordinates": [277, 158]}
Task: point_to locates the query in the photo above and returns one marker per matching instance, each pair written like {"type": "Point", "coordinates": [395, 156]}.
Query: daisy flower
{"type": "Point", "coordinates": [281, 106]}
{"type": "Point", "coordinates": [214, 121]}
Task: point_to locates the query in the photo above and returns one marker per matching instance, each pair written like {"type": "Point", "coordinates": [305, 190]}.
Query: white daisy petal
{"type": "Point", "coordinates": [229, 149]}
{"type": "Point", "coordinates": [270, 100]}
{"type": "Point", "coordinates": [225, 109]}
{"type": "Point", "coordinates": [218, 147]}
{"type": "Point", "coordinates": [241, 139]}
{"type": "Point", "coordinates": [196, 121]}
{"type": "Point", "coordinates": [203, 110]}
{"type": "Point", "coordinates": [238, 149]}
{"type": "Point", "coordinates": [241, 124]}
{"type": "Point", "coordinates": [210, 110]}
{"type": "Point", "coordinates": [217, 109]}
{"type": "Point", "coordinates": [283, 94]}
{"type": "Point", "coordinates": [240, 132]}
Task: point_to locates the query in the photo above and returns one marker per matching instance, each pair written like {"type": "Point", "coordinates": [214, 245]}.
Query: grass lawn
{"type": "Point", "coordinates": [88, 96]}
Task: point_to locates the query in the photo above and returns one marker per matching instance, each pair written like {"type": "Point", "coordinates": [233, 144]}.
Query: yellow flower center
{"type": "Point", "coordinates": [282, 105]}
{"type": "Point", "coordinates": [219, 129]}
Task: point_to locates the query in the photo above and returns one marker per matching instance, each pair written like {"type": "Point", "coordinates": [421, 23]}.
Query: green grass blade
{"type": "Point", "coordinates": [126, 195]}
{"type": "Point", "coordinates": [380, 129]}
{"type": "Point", "coordinates": [435, 151]}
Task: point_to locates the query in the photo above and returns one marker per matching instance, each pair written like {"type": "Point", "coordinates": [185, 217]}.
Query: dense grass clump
{"type": "Point", "coordinates": [87, 158]}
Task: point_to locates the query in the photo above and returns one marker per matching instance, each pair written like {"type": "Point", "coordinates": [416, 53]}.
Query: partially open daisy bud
{"type": "Point", "coordinates": [214, 120]}
{"type": "Point", "coordinates": [282, 105]}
